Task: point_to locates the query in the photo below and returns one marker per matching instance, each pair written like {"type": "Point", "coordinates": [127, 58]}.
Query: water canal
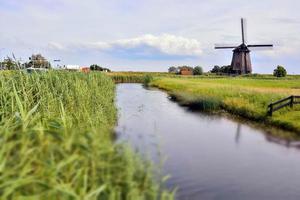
{"type": "Point", "coordinates": [207, 156]}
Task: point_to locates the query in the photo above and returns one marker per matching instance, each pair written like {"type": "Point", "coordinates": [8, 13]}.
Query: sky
{"type": "Point", "coordinates": [150, 35]}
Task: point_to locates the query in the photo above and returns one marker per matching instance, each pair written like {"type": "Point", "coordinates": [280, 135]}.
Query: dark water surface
{"type": "Point", "coordinates": [208, 157]}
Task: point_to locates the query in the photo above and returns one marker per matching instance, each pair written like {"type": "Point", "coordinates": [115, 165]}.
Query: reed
{"type": "Point", "coordinates": [56, 141]}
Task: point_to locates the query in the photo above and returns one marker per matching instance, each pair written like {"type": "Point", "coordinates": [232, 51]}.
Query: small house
{"type": "Point", "coordinates": [186, 71]}
{"type": "Point", "coordinates": [85, 69]}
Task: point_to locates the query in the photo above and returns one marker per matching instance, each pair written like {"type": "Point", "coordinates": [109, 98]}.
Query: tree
{"type": "Point", "coordinates": [227, 69]}
{"type": "Point", "coordinates": [216, 69]}
{"type": "Point", "coordinates": [280, 71]}
{"type": "Point", "coordinates": [198, 70]}
{"type": "Point", "coordinates": [96, 67]}
{"type": "Point", "coordinates": [38, 61]}
{"type": "Point", "coordinates": [173, 69]}
{"type": "Point", "coordinates": [10, 63]}
{"type": "Point", "coordinates": [185, 67]}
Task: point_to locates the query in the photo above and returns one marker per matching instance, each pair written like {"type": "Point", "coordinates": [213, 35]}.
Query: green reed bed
{"type": "Point", "coordinates": [56, 141]}
{"type": "Point", "coordinates": [127, 79]}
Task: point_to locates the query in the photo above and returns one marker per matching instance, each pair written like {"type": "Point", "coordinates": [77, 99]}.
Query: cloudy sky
{"type": "Point", "coordinates": [150, 35]}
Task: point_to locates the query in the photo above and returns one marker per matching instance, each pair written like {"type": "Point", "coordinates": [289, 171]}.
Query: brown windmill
{"type": "Point", "coordinates": [241, 62]}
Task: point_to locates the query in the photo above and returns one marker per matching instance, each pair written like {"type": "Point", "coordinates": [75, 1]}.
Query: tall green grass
{"type": "Point", "coordinates": [56, 141]}
{"type": "Point", "coordinates": [117, 78]}
{"type": "Point", "coordinates": [144, 78]}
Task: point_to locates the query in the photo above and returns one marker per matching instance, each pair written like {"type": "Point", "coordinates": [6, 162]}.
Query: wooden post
{"type": "Point", "coordinates": [292, 102]}
{"type": "Point", "coordinates": [271, 109]}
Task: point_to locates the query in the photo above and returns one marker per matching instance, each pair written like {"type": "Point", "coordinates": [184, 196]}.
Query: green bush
{"type": "Point", "coordinates": [198, 70]}
{"type": "Point", "coordinates": [216, 69]}
{"type": "Point", "coordinates": [147, 80]}
{"type": "Point", "coordinates": [280, 71]}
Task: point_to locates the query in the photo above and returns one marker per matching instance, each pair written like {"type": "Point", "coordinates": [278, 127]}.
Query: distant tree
{"type": "Point", "coordinates": [216, 69]}
{"type": "Point", "coordinates": [96, 67]}
{"type": "Point", "coordinates": [10, 63]}
{"type": "Point", "coordinates": [227, 69]}
{"type": "Point", "coordinates": [185, 67]}
{"type": "Point", "coordinates": [198, 70]}
{"type": "Point", "coordinates": [173, 69]}
{"type": "Point", "coordinates": [38, 61]}
{"type": "Point", "coordinates": [106, 69]}
{"type": "Point", "coordinates": [280, 71]}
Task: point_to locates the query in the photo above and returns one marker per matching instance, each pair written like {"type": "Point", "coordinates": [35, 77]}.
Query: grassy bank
{"type": "Point", "coordinates": [243, 96]}
{"type": "Point", "coordinates": [56, 141]}
{"type": "Point", "coordinates": [137, 77]}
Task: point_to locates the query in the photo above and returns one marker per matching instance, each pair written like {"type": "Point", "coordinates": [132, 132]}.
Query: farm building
{"type": "Point", "coordinates": [186, 71]}
{"type": "Point", "coordinates": [77, 68]}
{"type": "Point", "coordinates": [72, 67]}
{"type": "Point", "coordinates": [85, 69]}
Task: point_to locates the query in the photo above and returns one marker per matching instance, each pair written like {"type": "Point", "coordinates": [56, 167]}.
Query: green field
{"type": "Point", "coordinates": [57, 142]}
{"type": "Point", "coordinates": [243, 96]}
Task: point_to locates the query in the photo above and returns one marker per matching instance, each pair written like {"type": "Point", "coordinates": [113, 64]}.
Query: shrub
{"type": "Point", "coordinates": [198, 70]}
{"type": "Point", "coordinates": [216, 69]}
{"type": "Point", "coordinates": [227, 69]}
{"type": "Point", "coordinates": [147, 80]}
{"type": "Point", "coordinates": [280, 71]}
{"type": "Point", "coordinates": [96, 67]}
{"type": "Point", "coordinates": [172, 69]}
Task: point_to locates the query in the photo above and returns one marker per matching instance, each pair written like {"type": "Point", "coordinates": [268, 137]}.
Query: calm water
{"type": "Point", "coordinates": [208, 157]}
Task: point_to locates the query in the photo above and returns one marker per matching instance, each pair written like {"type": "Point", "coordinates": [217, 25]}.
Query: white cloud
{"type": "Point", "coordinates": [169, 44]}
{"type": "Point", "coordinates": [165, 44]}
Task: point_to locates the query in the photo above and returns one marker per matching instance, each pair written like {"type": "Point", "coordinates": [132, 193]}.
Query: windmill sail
{"type": "Point", "coordinates": [243, 30]}
{"type": "Point", "coordinates": [225, 47]}
{"type": "Point", "coordinates": [260, 45]}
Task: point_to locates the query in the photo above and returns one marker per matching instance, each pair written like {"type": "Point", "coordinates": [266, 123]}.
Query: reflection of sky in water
{"type": "Point", "coordinates": [208, 157]}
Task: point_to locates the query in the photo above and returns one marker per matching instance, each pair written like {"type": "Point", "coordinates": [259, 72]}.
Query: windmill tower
{"type": "Point", "coordinates": [241, 62]}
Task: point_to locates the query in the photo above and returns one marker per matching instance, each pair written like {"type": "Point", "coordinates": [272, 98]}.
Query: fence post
{"type": "Point", "coordinates": [292, 102]}
{"type": "Point", "coordinates": [270, 110]}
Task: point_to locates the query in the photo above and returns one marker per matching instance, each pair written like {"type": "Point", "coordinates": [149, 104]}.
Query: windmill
{"type": "Point", "coordinates": [241, 62]}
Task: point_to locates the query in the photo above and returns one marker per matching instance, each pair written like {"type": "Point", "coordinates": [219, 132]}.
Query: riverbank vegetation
{"type": "Point", "coordinates": [137, 77]}
{"type": "Point", "coordinates": [247, 97]}
{"type": "Point", "coordinates": [57, 143]}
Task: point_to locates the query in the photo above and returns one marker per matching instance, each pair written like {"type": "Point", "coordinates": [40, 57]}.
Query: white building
{"type": "Point", "coordinates": [72, 67]}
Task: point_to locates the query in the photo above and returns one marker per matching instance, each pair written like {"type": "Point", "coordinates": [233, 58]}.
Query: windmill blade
{"type": "Point", "coordinates": [260, 45]}
{"type": "Point", "coordinates": [225, 47]}
{"type": "Point", "coordinates": [243, 32]}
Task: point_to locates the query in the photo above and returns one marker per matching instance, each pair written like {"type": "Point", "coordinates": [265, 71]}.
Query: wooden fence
{"type": "Point", "coordinates": [289, 101]}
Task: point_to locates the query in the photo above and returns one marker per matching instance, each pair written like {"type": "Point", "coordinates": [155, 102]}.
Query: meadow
{"type": "Point", "coordinates": [57, 141]}
{"type": "Point", "coordinates": [247, 97]}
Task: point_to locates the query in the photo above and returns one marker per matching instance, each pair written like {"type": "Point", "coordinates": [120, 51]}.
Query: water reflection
{"type": "Point", "coordinates": [238, 133]}
{"type": "Point", "coordinates": [201, 150]}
